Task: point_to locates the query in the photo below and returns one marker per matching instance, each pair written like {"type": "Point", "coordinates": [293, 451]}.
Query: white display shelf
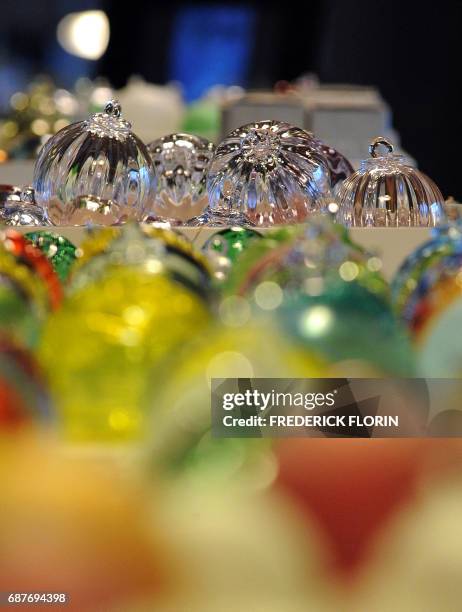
{"type": "Point", "coordinates": [393, 245]}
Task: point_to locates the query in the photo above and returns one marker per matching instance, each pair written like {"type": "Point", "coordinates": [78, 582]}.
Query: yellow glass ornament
{"type": "Point", "coordinates": [99, 348]}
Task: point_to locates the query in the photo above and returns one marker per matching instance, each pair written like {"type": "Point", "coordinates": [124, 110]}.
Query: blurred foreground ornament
{"type": "Point", "coordinates": [266, 173]}
{"type": "Point", "coordinates": [117, 329]}
{"type": "Point", "coordinates": [247, 267]}
{"type": "Point", "coordinates": [100, 157]}
{"type": "Point", "coordinates": [180, 166]}
{"type": "Point", "coordinates": [27, 254]}
{"type": "Point", "coordinates": [439, 350]}
{"type": "Point", "coordinates": [57, 249]}
{"type": "Point", "coordinates": [23, 301]}
{"type": "Point", "coordinates": [385, 192]}
{"type": "Point", "coordinates": [29, 288]}
{"type": "Point", "coordinates": [344, 321]}
{"type": "Point", "coordinates": [345, 508]}
{"type": "Point", "coordinates": [438, 287]}
{"type": "Point", "coordinates": [179, 397]}
{"type": "Point", "coordinates": [226, 246]}
{"type": "Point", "coordinates": [303, 258]}
{"type": "Point", "coordinates": [83, 520]}
{"type": "Point", "coordinates": [143, 248]}
{"type": "Point", "coordinates": [23, 398]}
{"type": "Point", "coordinates": [446, 240]}
{"type": "Point", "coordinates": [426, 531]}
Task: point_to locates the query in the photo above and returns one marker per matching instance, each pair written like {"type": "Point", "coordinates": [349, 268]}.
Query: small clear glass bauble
{"type": "Point", "coordinates": [386, 192]}
{"type": "Point", "coordinates": [18, 207]}
{"type": "Point", "coordinates": [266, 173]}
{"type": "Point", "coordinates": [339, 166]}
{"type": "Point", "coordinates": [99, 157]}
{"type": "Point", "coordinates": [180, 165]}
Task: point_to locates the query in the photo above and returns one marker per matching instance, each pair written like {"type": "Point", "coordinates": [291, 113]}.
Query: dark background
{"type": "Point", "coordinates": [410, 50]}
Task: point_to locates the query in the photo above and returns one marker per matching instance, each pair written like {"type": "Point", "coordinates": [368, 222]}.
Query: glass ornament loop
{"type": "Point", "coordinates": [113, 108]}
{"type": "Point", "coordinates": [380, 140]}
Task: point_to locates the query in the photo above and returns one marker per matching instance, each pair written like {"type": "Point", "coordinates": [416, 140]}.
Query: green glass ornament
{"type": "Point", "coordinates": [239, 275]}
{"type": "Point", "coordinates": [224, 249]}
{"type": "Point", "coordinates": [230, 242]}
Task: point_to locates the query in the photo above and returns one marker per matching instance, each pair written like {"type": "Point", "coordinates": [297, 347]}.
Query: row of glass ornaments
{"type": "Point", "coordinates": [263, 174]}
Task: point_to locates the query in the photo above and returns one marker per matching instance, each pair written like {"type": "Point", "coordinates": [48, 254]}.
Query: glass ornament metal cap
{"type": "Point", "coordinates": [180, 165]}
{"type": "Point", "coordinates": [100, 157]}
{"type": "Point", "coordinates": [386, 192]}
{"type": "Point", "coordinates": [266, 173]}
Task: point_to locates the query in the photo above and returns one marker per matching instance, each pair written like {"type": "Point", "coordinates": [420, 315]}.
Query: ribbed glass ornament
{"type": "Point", "coordinates": [266, 173]}
{"type": "Point", "coordinates": [98, 157]}
{"type": "Point", "coordinates": [180, 166]}
{"type": "Point", "coordinates": [386, 192]}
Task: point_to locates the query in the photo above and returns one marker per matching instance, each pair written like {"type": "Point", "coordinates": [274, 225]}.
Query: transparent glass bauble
{"type": "Point", "coordinates": [180, 165]}
{"type": "Point", "coordinates": [98, 157]}
{"type": "Point", "coordinates": [18, 207]}
{"type": "Point", "coordinates": [7, 192]}
{"type": "Point", "coordinates": [386, 192]}
{"type": "Point", "coordinates": [339, 166]}
{"type": "Point", "coordinates": [266, 173]}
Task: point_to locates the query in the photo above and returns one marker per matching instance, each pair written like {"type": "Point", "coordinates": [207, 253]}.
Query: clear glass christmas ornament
{"type": "Point", "coordinates": [8, 191]}
{"type": "Point", "coordinates": [266, 173]}
{"type": "Point", "coordinates": [22, 215]}
{"type": "Point", "coordinates": [386, 192]}
{"type": "Point", "coordinates": [99, 157]}
{"type": "Point", "coordinates": [180, 165]}
{"type": "Point", "coordinates": [18, 207]}
{"type": "Point", "coordinates": [339, 166]}
{"type": "Point", "coordinates": [453, 209]}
